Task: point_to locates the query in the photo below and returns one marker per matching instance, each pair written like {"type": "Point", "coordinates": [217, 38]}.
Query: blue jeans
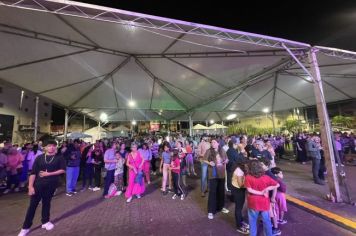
{"type": "Point", "coordinates": [253, 217]}
{"type": "Point", "coordinates": [109, 179]}
{"type": "Point", "coordinates": [204, 177]}
{"type": "Point", "coordinates": [72, 178]}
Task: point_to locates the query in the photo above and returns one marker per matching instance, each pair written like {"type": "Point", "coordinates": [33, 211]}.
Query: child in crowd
{"type": "Point", "coordinates": [119, 173]}
{"type": "Point", "coordinates": [266, 166]}
{"type": "Point", "coordinates": [281, 202]}
{"type": "Point", "coordinates": [258, 202]}
{"type": "Point", "coordinates": [175, 168]}
{"type": "Point", "coordinates": [164, 166]}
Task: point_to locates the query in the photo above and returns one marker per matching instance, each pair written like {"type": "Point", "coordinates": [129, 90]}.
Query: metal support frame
{"type": "Point", "coordinates": [84, 123]}
{"type": "Point", "coordinates": [257, 101]}
{"type": "Point", "coordinates": [268, 71]}
{"type": "Point", "coordinates": [335, 52]}
{"type": "Point", "coordinates": [198, 73]}
{"type": "Point", "coordinates": [66, 115]}
{"type": "Point", "coordinates": [217, 113]}
{"type": "Point", "coordinates": [328, 65]}
{"type": "Point", "coordinates": [325, 127]}
{"type": "Point", "coordinates": [291, 96]}
{"type": "Point", "coordinates": [163, 86]}
{"type": "Point", "coordinates": [36, 120]}
{"type": "Point", "coordinates": [7, 29]}
{"type": "Point", "coordinates": [97, 85]}
{"type": "Point", "coordinates": [324, 81]}
{"type": "Point", "coordinates": [274, 101]}
{"type": "Point", "coordinates": [114, 91]}
{"type": "Point", "coordinates": [341, 76]}
{"type": "Point", "coordinates": [227, 54]}
{"type": "Point", "coordinates": [61, 18]}
{"type": "Point", "coordinates": [71, 84]}
{"type": "Point", "coordinates": [233, 100]}
{"type": "Point", "coordinates": [190, 125]}
{"type": "Point", "coordinates": [153, 90]}
{"type": "Point", "coordinates": [43, 60]}
{"type": "Point", "coordinates": [186, 91]}
{"type": "Point", "coordinates": [92, 12]}
{"type": "Point", "coordinates": [173, 42]}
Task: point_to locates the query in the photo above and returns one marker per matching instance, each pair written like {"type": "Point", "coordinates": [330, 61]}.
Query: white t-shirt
{"type": "Point", "coordinates": [237, 173]}
{"type": "Point", "coordinates": [119, 166]}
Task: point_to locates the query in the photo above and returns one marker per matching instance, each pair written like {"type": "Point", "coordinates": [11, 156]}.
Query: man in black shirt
{"type": "Point", "coordinates": [42, 184]}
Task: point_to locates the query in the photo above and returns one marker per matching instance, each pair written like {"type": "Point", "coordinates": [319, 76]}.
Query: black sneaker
{"type": "Point", "coordinates": [276, 232]}
{"type": "Point", "coordinates": [165, 193]}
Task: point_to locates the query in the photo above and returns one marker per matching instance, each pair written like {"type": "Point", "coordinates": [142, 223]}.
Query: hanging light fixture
{"type": "Point", "coordinates": [131, 102]}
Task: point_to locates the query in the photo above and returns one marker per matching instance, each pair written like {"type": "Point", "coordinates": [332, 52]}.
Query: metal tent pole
{"type": "Point", "coordinates": [325, 127]}
{"type": "Point", "coordinates": [84, 123]}
{"type": "Point", "coordinates": [66, 118]}
{"type": "Point", "coordinates": [36, 120]}
{"type": "Point", "coordinates": [190, 126]}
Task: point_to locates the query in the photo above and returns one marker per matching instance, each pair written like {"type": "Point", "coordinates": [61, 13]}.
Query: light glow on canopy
{"type": "Point", "coordinates": [231, 116]}
{"type": "Point", "coordinates": [103, 117]}
{"type": "Point", "coordinates": [265, 110]}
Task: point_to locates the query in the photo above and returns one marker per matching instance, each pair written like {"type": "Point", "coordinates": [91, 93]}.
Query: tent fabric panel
{"type": "Point", "coordinates": [40, 22]}
{"type": "Point", "coordinates": [229, 71]}
{"type": "Point", "coordinates": [181, 77]}
{"type": "Point", "coordinates": [62, 71]}
{"type": "Point", "coordinates": [131, 79]}
{"type": "Point", "coordinates": [162, 100]}
{"type": "Point", "coordinates": [250, 95]}
{"type": "Point", "coordinates": [103, 96]}
{"type": "Point", "coordinates": [68, 95]}
{"type": "Point", "coordinates": [15, 50]}
{"type": "Point", "coordinates": [124, 37]}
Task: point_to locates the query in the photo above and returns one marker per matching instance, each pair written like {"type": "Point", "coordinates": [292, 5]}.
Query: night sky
{"type": "Point", "coordinates": [323, 23]}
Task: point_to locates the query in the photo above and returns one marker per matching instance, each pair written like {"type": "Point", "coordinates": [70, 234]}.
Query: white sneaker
{"type": "Point", "coordinates": [96, 189]}
{"type": "Point", "coordinates": [118, 193]}
{"type": "Point", "coordinates": [224, 210]}
{"type": "Point", "coordinates": [23, 232]}
{"type": "Point", "coordinates": [138, 196]}
{"type": "Point", "coordinates": [6, 191]}
{"type": "Point", "coordinates": [129, 199]}
{"type": "Point", "coordinates": [48, 226]}
{"type": "Point", "coordinates": [174, 196]}
{"type": "Point", "coordinates": [17, 190]}
{"type": "Point", "coordinates": [210, 216]}
{"type": "Point", "coordinates": [182, 197]}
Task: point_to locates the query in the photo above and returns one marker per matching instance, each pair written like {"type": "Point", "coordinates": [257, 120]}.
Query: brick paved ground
{"type": "Point", "coordinates": [88, 214]}
{"type": "Point", "coordinates": [300, 185]}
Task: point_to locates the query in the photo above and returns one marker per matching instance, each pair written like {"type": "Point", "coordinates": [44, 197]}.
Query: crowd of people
{"type": "Point", "coordinates": [239, 166]}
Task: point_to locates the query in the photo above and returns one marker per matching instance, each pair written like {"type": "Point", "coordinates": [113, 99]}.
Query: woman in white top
{"type": "Point", "coordinates": [239, 194]}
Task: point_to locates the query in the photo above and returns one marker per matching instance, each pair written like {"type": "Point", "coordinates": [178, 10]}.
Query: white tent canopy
{"type": "Point", "coordinates": [199, 127]}
{"type": "Point", "coordinates": [75, 135]}
{"type": "Point", "coordinates": [93, 59]}
{"type": "Point", "coordinates": [98, 133]}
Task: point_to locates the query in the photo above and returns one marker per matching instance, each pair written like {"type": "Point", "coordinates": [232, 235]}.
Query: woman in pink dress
{"type": "Point", "coordinates": [136, 185]}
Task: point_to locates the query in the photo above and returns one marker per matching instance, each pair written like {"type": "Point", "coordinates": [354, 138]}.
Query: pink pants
{"type": "Point", "coordinates": [134, 188]}
{"type": "Point", "coordinates": [165, 176]}
{"type": "Point", "coordinates": [146, 170]}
